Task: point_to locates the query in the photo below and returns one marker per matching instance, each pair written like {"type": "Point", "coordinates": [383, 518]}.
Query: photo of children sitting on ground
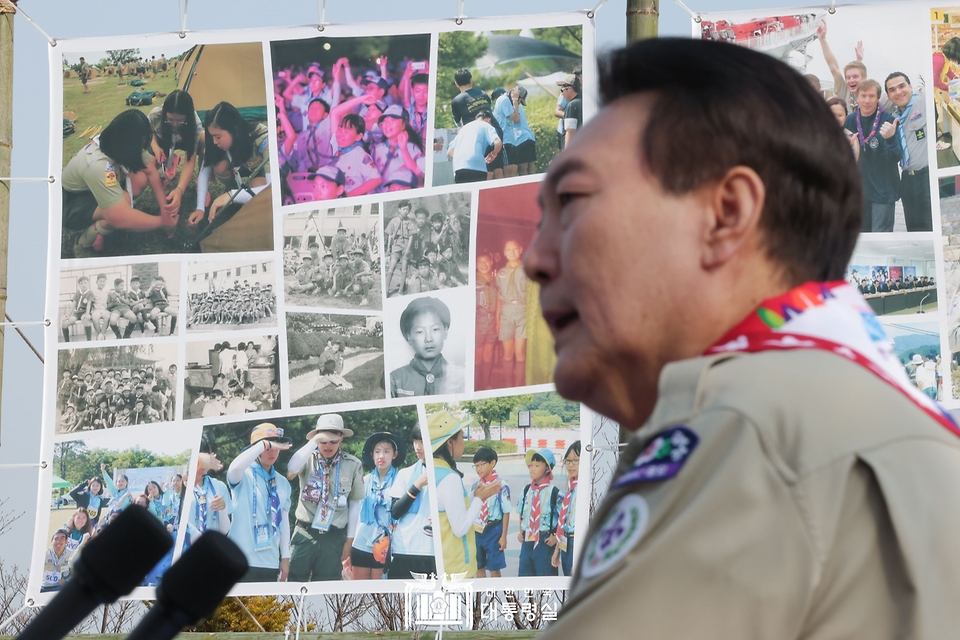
{"type": "Point", "coordinates": [334, 358]}
{"type": "Point", "coordinates": [119, 301]}
{"type": "Point", "coordinates": [94, 481]}
{"type": "Point", "coordinates": [427, 243]}
{"type": "Point", "coordinates": [331, 258]}
{"type": "Point", "coordinates": [231, 294]}
{"type": "Point", "coordinates": [109, 387]}
{"type": "Point", "coordinates": [223, 379]}
{"type": "Point", "coordinates": [520, 484]}
{"type": "Point", "coordinates": [349, 491]}
{"type": "Point", "coordinates": [507, 102]}
{"type": "Point", "coordinates": [351, 115]}
{"type": "Point", "coordinates": [514, 347]}
{"type": "Point", "coordinates": [178, 165]}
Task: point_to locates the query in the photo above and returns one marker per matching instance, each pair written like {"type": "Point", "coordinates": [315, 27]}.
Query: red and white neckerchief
{"type": "Point", "coordinates": [533, 528]}
{"type": "Point", "coordinates": [834, 317]}
{"type": "Point", "coordinates": [484, 510]}
{"type": "Point", "coordinates": [565, 507]}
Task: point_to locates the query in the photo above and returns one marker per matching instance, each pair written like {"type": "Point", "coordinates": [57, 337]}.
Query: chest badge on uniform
{"type": "Point", "coordinates": [663, 457]}
{"type": "Point", "coordinates": [619, 533]}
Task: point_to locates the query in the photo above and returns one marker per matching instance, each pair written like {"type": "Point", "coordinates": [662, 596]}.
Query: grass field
{"type": "Point", "coordinates": [367, 380]}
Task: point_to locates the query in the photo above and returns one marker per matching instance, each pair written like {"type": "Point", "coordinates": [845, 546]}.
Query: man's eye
{"type": "Point", "coordinates": [565, 198]}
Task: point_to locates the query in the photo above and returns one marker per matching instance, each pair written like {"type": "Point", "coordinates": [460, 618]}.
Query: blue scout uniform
{"type": "Point", "coordinates": [357, 166]}
{"type": "Point", "coordinates": [256, 523]}
{"type": "Point", "coordinates": [202, 518]}
{"type": "Point", "coordinates": [535, 555]}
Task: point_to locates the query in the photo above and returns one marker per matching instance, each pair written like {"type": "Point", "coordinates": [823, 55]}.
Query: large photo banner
{"type": "Point", "coordinates": [286, 275]}
{"type": "Point", "coordinates": [890, 76]}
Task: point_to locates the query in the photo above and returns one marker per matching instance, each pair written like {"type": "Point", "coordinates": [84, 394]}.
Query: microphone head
{"type": "Point", "coordinates": [202, 577]}
{"type": "Point", "coordinates": [120, 556]}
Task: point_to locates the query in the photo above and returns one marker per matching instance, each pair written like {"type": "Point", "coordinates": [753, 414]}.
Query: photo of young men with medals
{"type": "Point", "coordinates": [880, 154]}
{"type": "Point", "coordinates": [331, 490]}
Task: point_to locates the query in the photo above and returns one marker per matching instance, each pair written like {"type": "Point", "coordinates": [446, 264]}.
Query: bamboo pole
{"type": "Point", "coordinates": [643, 19]}
{"type": "Point", "coordinates": [7, 10]}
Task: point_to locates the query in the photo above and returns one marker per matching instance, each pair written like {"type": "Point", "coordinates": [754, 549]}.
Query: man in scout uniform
{"type": "Point", "coordinates": [331, 490]}
{"type": "Point", "coordinates": [340, 244]}
{"type": "Point", "coordinates": [740, 508]}
{"type": "Point", "coordinates": [512, 314]}
{"type": "Point", "coordinates": [911, 113]}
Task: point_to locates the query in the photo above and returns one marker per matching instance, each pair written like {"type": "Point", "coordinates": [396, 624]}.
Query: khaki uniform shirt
{"type": "Point", "coordinates": [351, 486]}
{"type": "Point", "coordinates": [819, 503]}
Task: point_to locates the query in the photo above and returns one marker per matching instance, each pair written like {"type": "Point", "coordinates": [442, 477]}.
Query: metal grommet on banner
{"type": "Point", "coordinates": [460, 14]}
{"type": "Point", "coordinates": [31, 602]}
{"type": "Point", "coordinates": [303, 591]}
{"type": "Point", "coordinates": [322, 11]}
{"type": "Point", "coordinates": [47, 322]}
{"type": "Point", "coordinates": [183, 35]}
{"type": "Point", "coordinates": [43, 464]}
{"type": "Point", "coordinates": [832, 9]}
{"type": "Point", "coordinates": [589, 447]}
{"type": "Point", "coordinates": [590, 14]}
{"type": "Point", "coordinates": [694, 16]}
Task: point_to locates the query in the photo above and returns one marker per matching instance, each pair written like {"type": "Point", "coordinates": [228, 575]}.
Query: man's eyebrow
{"type": "Point", "coordinates": [557, 173]}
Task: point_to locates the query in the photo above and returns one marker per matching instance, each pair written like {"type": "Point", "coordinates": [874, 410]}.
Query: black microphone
{"type": "Point", "coordinates": [193, 587]}
{"type": "Point", "coordinates": [110, 565]}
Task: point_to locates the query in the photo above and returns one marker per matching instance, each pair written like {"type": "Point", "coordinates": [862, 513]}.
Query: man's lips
{"type": "Point", "coordinates": [560, 319]}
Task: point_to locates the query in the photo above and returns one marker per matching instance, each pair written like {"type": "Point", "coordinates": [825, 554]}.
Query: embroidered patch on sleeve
{"type": "Point", "coordinates": [662, 458]}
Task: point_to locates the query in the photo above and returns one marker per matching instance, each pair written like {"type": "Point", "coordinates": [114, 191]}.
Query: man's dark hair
{"type": "Point", "coordinates": [717, 106]}
{"type": "Point", "coordinates": [463, 77]}
{"type": "Point", "coordinates": [485, 454]}
{"type": "Point", "coordinates": [894, 75]}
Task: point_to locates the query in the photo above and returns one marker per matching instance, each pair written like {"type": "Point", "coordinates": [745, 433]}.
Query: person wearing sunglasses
{"type": "Point", "coordinates": [331, 490]}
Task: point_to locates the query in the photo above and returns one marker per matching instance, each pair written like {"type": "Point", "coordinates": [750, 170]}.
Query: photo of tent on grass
{"type": "Point", "coordinates": [145, 132]}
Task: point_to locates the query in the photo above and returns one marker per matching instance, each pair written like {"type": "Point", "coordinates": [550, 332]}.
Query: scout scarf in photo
{"type": "Point", "coordinates": [273, 500]}
{"type": "Point", "coordinates": [864, 141]}
{"type": "Point", "coordinates": [319, 485]}
{"type": "Point", "coordinates": [431, 375]}
{"type": "Point", "coordinates": [200, 503]}
{"type": "Point", "coordinates": [484, 510]}
{"type": "Point", "coordinates": [565, 507]}
{"type": "Point", "coordinates": [834, 317]}
{"type": "Point", "coordinates": [533, 528]}
{"type": "Point", "coordinates": [375, 498]}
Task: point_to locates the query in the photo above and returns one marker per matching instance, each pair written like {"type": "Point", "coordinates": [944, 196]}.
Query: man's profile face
{"type": "Point", "coordinates": [899, 91]}
{"type": "Point", "coordinates": [606, 225]}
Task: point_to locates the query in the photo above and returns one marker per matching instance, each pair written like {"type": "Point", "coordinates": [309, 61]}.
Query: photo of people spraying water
{"type": "Point", "coordinates": [178, 164]}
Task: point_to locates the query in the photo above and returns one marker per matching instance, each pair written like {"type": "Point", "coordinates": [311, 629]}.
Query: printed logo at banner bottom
{"type": "Point", "coordinates": [430, 603]}
{"type": "Point", "coordinates": [620, 532]}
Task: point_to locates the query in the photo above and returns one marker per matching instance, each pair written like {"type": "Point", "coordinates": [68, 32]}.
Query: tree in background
{"type": "Point", "coordinates": [491, 410]}
{"type": "Point", "coordinates": [273, 614]}
{"type": "Point", "coordinates": [122, 56]}
{"type": "Point", "coordinates": [455, 50]}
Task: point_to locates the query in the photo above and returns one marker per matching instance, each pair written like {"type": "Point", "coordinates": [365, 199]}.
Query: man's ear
{"type": "Point", "coordinates": [732, 208]}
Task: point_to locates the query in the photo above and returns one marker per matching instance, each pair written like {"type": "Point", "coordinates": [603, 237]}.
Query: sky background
{"type": "Point", "coordinates": [22, 382]}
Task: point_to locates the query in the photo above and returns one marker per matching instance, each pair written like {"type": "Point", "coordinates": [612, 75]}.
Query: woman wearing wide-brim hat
{"type": "Point", "coordinates": [383, 453]}
{"type": "Point", "coordinates": [457, 508]}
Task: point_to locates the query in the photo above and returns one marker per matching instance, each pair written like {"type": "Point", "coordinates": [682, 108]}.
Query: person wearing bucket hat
{"type": "Point", "coordinates": [518, 139]}
{"type": "Point", "coordinates": [412, 541]}
{"type": "Point", "coordinates": [458, 509]}
{"type": "Point", "coordinates": [401, 147]}
{"type": "Point", "coordinates": [331, 489]}
{"type": "Point", "coordinates": [424, 325]}
{"type": "Point", "coordinates": [261, 501]}
{"type": "Point", "coordinates": [539, 509]}
{"type": "Point", "coordinates": [382, 453]}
